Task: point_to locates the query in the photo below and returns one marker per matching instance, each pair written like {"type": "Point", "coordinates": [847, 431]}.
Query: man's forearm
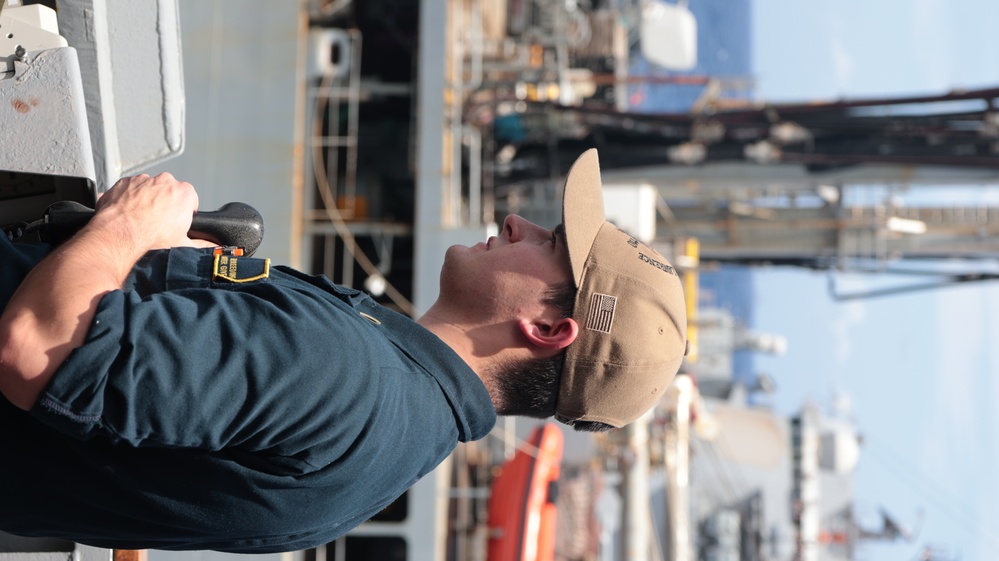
{"type": "Point", "coordinates": [51, 312]}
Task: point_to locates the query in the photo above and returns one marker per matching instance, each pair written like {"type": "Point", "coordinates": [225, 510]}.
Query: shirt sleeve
{"type": "Point", "coordinates": [17, 261]}
{"type": "Point", "coordinates": [210, 367]}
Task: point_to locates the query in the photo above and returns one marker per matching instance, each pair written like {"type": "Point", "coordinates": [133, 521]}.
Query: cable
{"type": "Point", "coordinates": [920, 483]}
{"type": "Point", "coordinates": [739, 479]}
{"type": "Point", "coordinates": [521, 445]}
{"type": "Point", "coordinates": [728, 488]}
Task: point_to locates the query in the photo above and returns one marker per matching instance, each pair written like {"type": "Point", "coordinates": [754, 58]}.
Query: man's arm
{"type": "Point", "coordinates": [49, 315]}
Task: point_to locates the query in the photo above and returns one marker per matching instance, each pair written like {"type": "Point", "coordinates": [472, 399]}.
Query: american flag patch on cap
{"type": "Point", "coordinates": [601, 314]}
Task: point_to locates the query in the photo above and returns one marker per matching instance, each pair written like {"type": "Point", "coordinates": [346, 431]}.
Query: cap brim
{"type": "Point", "coordinates": [582, 209]}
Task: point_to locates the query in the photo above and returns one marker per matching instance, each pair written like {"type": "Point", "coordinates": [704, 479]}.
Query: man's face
{"type": "Point", "coordinates": [508, 273]}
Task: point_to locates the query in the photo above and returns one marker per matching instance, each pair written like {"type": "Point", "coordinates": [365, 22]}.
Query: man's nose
{"type": "Point", "coordinates": [511, 227]}
{"type": "Point", "coordinates": [518, 228]}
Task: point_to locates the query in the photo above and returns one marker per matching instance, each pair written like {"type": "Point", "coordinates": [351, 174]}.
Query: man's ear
{"type": "Point", "coordinates": [553, 336]}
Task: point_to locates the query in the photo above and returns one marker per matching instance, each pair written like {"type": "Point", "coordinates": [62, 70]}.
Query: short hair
{"type": "Point", "coordinates": [529, 388]}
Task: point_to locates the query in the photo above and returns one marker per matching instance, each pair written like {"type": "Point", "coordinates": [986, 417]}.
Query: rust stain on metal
{"type": "Point", "coordinates": [22, 106]}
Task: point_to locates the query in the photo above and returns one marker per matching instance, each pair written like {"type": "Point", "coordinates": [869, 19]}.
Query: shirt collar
{"type": "Point", "coordinates": [473, 407]}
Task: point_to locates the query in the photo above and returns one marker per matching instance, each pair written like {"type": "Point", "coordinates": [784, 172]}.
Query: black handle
{"type": "Point", "coordinates": [233, 224]}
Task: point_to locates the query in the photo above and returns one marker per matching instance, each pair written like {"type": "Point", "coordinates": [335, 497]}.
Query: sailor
{"type": "Point", "coordinates": [158, 394]}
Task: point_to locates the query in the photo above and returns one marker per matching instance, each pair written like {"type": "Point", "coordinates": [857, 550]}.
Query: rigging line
{"type": "Point", "coordinates": [969, 521]}
{"type": "Point", "coordinates": [948, 282]}
{"type": "Point", "coordinates": [730, 493]}
{"type": "Point", "coordinates": [727, 487]}
{"type": "Point", "coordinates": [520, 444]}
{"type": "Point", "coordinates": [740, 474]}
{"type": "Point", "coordinates": [740, 478]}
{"type": "Point", "coordinates": [923, 482]}
{"type": "Point", "coordinates": [920, 483]}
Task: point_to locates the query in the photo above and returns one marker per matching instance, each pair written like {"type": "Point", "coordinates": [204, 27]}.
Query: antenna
{"type": "Point", "coordinates": [890, 530]}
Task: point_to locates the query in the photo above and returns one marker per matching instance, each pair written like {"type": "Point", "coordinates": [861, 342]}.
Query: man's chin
{"type": "Point", "coordinates": [453, 258]}
{"type": "Point", "coordinates": [454, 251]}
{"type": "Point", "coordinates": [459, 250]}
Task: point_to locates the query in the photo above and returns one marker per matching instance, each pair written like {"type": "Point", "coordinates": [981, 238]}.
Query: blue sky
{"type": "Point", "coordinates": [807, 49]}
{"type": "Point", "coordinates": [919, 369]}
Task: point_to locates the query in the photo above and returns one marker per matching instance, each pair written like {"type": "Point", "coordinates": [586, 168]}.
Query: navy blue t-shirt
{"type": "Point", "coordinates": [204, 412]}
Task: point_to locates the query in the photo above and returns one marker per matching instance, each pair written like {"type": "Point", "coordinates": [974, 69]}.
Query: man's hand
{"type": "Point", "coordinates": [151, 212]}
{"type": "Point", "coordinates": [51, 312]}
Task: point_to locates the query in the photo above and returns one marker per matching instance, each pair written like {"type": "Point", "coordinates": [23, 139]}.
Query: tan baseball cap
{"type": "Point", "coordinates": [630, 310]}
